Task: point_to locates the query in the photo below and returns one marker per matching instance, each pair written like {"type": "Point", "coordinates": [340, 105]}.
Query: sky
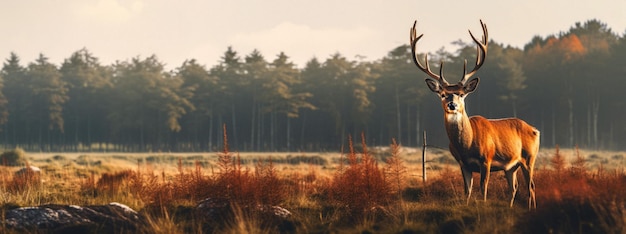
{"type": "Point", "coordinates": [175, 31]}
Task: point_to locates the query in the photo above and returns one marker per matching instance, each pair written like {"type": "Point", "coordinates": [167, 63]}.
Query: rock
{"type": "Point", "coordinates": [214, 208]}
{"type": "Point", "coordinates": [219, 211]}
{"type": "Point", "coordinates": [113, 217]}
{"type": "Point", "coordinates": [28, 171]}
{"type": "Point", "coordinates": [277, 211]}
{"type": "Point", "coordinates": [26, 177]}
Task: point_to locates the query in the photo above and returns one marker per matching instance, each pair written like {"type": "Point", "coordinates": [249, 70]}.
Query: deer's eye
{"type": "Point", "coordinates": [443, 95]}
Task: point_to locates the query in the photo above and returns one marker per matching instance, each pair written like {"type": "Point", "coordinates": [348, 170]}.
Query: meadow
{"type": "Point", "coordinates": [363, 190]}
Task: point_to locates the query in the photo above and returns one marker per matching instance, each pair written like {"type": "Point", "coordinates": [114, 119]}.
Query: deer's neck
{"type": "Point", "coordinates": [459, 130]}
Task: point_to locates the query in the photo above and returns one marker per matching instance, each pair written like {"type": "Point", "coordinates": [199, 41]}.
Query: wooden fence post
{"type": "Point", "coordinates": [424, 159]}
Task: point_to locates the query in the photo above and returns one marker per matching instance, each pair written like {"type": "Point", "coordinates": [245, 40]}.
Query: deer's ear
{"type": "Point", "coordinates": [471, 85]}
{"type": "Point", "coordinates": [433, 85]}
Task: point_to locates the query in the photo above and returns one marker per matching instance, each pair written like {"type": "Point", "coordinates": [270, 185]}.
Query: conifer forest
{"type": "Point", "coordinates": [568, 85]}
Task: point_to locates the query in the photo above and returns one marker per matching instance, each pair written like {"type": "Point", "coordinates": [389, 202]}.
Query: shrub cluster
{"type": "Point", "coordinates": [232, 183]}
{"type": "Point", "coordinates": [360, 186]}
{"type": "Point", "coordinates": [14, 157]}
{"type": "Point", "coordinates": [574, 199]}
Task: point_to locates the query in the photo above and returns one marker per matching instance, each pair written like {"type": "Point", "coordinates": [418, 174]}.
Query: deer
{"type": "Point", "coordinates": [478, 144]}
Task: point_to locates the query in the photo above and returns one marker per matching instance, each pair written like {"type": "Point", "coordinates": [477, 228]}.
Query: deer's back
{"type": "Point", "coordinates": [504, 139]}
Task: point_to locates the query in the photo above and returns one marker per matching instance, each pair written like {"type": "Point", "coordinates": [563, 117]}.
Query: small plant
{"type": "Point", "coordinates": [558, 160]}
{"type": "Point", "coordinates": [88, 185]}
{"type": "Point", "coordinates": [233, 182]}
{"type": "Point", "coordinates": [444, 186]}
{"type": "Point", "coordinates": [112, 182]}
{"type": "Point", "coordinates": [395, 169]}
{"type": "Point", "coordinates": [14, 157]}
{"type": "Point", "coordinates": [579, 164]}
{"type": "Point", "coordinates": [269, 188]}
{"type": "Point", "coordinates": [361, 187]}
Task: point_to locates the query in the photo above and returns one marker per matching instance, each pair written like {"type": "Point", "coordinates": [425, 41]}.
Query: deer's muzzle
{"type": "Point", "coordinates": [452, 106]}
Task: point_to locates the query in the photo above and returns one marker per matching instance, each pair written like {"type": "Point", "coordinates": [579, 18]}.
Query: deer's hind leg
{"type": "Point", "coordinates": [511, 179]}
{"type": "Point", "coordinates": [528, 176]}
{"type": "Point", "coordinates": [485, 171]}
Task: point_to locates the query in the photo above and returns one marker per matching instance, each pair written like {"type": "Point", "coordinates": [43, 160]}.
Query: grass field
{"type": "Point", "coordinates": [379, 189]}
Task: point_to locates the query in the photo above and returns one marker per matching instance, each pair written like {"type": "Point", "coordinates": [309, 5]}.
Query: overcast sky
{"type": "Point", "coordinates": [178, 30]}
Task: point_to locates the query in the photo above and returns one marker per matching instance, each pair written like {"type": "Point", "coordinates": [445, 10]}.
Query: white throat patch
{"type": "Point", "coordinates": [454, 117]}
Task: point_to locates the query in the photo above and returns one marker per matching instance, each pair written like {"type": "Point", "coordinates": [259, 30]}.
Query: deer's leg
{"type": "Point", "coordinates": [511, 179]}
{"type": "Point", "coordinates": [528, 176]}
{"type": "Point", "coordinates": [485, 171]}
{"type": "Point", "coordinates": [468, 181]}
{"type": "Point", "coordinates": [531, 186]}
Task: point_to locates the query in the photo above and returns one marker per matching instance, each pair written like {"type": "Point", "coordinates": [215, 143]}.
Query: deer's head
{"type": "Point", "coordinates": [452, 95]}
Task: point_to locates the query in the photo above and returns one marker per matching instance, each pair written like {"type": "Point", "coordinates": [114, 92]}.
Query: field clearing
{"type": "Point", "coordinates": [436, 158]}
{"type": "Point", "coordinates": [326, 192]}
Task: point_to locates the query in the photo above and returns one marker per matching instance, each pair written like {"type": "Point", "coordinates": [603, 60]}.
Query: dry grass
{"type": "Point", "coordinates": [577, 191]}
{"type": "Point", "coordinates": [578, 199]}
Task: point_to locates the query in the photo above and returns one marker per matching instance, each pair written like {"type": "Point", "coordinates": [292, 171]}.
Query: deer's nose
{"type": "Point", "coordinates": [452, 106]}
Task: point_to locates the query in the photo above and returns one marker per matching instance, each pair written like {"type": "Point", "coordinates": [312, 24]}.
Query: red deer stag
{"type": "Point", "coordinates": [479, 144]}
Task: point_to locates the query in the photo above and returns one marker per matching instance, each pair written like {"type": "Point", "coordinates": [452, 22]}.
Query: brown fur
{"type": "Point", "coordinates": [494, 145]}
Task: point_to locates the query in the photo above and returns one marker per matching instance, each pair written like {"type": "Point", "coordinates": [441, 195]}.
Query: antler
{"type": "Point", "coordinates": [481, 46]}
{"type": "Point", "coordinates": [426, 69]}
{"type": "Point", "coordinates": [481, 54]}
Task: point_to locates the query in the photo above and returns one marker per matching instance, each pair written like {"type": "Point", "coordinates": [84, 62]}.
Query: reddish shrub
{"type": "Point", "coordinates": [395, 169]}
{"type": "Point", "coordinates": [240, 185]}
{"type": "Point", "coordinates": [111, 182]}
{"type": "Point", "coordinates": [361, 186]}
{"type": "Point", "coordinates": [26, 177]}
{"type": "Point", "coordinates": [575, 200]}
{"type": "Point", "coordinates": [269, 188]}
{"type": "Point", "coordinates": [558, 160]}
{"type": "Point", "coordinates": [447, 185]}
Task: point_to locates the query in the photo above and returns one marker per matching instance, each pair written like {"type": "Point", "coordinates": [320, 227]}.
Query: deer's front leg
{"type": "Point", "coordinates": [468, 181]}
{"type": "Point", "coordinates": [485, 171]}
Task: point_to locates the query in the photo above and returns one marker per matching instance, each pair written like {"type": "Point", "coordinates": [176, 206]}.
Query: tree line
{"type": "Point", "coordinates": [568, 85]}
